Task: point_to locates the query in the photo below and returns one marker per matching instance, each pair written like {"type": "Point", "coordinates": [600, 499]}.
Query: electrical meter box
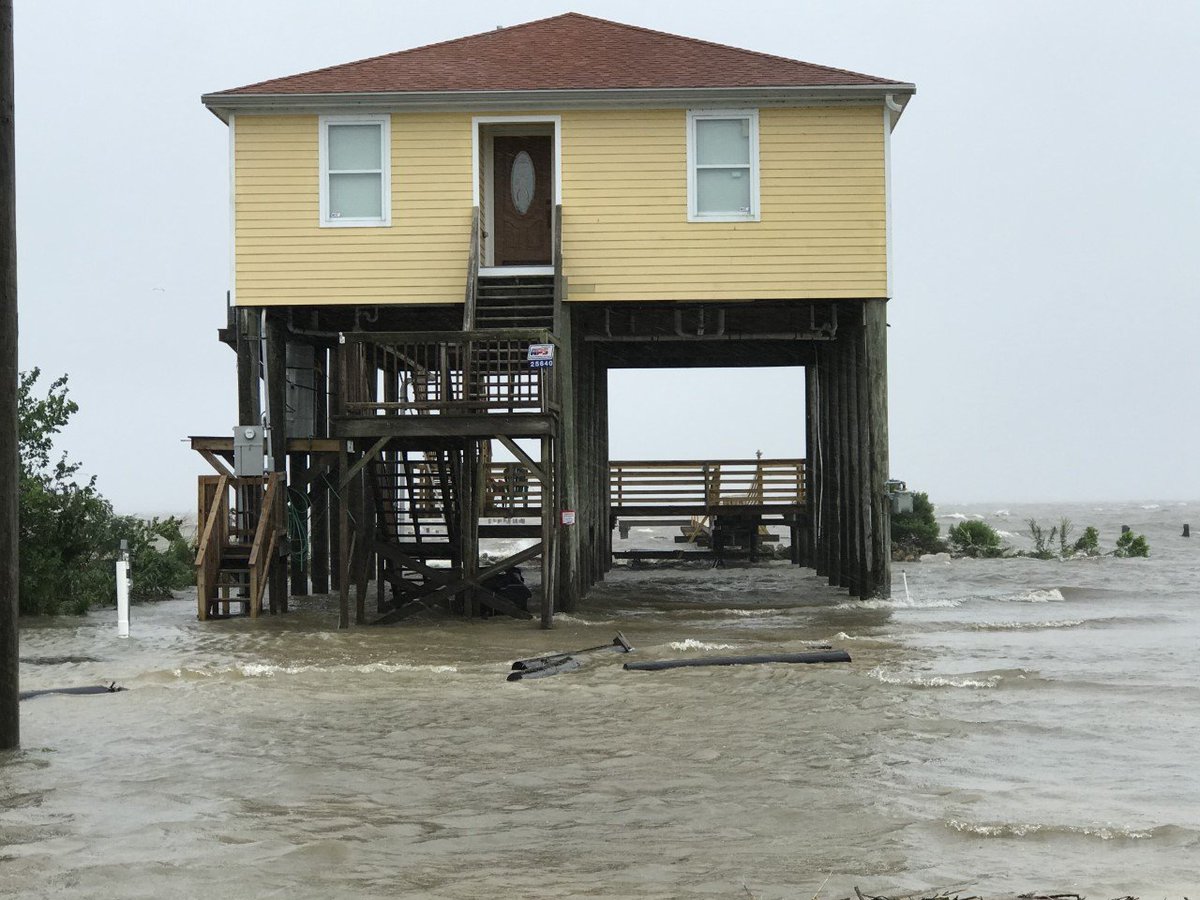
{"type": "Point", "coordinates": [900, 496]}
{"type": "Point", "coordinates": [248, 450]}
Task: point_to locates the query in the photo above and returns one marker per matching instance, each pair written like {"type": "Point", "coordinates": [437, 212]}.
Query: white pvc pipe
{"type": "Point", "coordinates": [122, 598]}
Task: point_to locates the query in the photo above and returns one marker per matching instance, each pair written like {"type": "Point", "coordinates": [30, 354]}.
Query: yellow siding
{"type": "Point", "coordinates": [284, 257]}
{"type": "Point", "coordinates": [625, 231]}
{"type": "Point", "coordinates": [822, 200]}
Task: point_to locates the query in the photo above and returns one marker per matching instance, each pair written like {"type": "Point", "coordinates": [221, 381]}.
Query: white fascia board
{"type": "Point", "coordinates": [222, 105]}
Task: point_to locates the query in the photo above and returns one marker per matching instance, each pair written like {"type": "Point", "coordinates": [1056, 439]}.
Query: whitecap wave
{"type": "Point", "coordinates": [1106, 832]}
{"type": "Point", "coordinates": [566, 618]}
{"type": "Point", "coordinates": [265, 670]}
{"type": "Point", "coordinates": [739, 613]}
{"type": "Point", "coordinates": [1026, 626]}
{"type": "Point", "coordinates": [1035, 595]}
{"type": "Point", "coordinates": [693, 644]}
{"type": "Point", "coordinates": [904, 603]}
{"type": "Point", "coordinates": [933, 681]}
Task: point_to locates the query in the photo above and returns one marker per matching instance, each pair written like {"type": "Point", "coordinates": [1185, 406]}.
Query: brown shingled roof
{"type": "Point", "coordinates": [566, 52]}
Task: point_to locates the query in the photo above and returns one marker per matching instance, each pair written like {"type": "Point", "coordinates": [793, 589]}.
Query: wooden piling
{"type": "Point", "coordinates": [468, 523]}
{"type": "Point", "coordinates": [875, 341]}
{"type": "Point", "coordinates": [335, 397]}
{"type": "Point", "coordinates": [343, 575]}
{"type": "Point", "coordinates": [847, 403]}
{"type": "Point", "coordinates": [276, 340]}
{"type": "Point", "coordinates": [319, 489]}
{"type": "Point", "coordinates": [249, 365]}
{"type": "Point", "coordinates": [548, 531]}
{"type": "Point", "coordinates": [863, 494]}
{"type": "Point", "coordinates": [298, 521]}
{"type": "Point", "coordinates": [10, 730]}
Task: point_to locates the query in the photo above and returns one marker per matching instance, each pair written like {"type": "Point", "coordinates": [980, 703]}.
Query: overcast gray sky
{"type": "Point", "coordinates": [1046, 198]}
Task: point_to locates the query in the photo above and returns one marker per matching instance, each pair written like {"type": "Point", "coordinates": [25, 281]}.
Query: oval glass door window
{"type": "Point", "coordinates": [522, 182]}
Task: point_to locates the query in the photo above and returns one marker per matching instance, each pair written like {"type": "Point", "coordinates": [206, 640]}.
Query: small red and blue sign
{"type": "Point", "coordinates": [541, 356]}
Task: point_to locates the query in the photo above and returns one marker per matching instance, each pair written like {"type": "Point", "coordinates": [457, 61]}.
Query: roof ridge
{"type": "Point", "coordinates": [430, 46]}
{"type": "Point", "coordinates": [696, 40]}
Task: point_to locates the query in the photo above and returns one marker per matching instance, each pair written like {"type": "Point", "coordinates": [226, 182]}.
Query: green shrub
{"type": "Point", "coordinates": [1129, 544]}
{"type": "Point", "coordinates": [975, 538]}
{"type": "Point", "coordinates": [1089, 542]}
{"type": "Point", "coordinates": [68, 532]}
{"type": "Point", "coordinates": [917, 531]}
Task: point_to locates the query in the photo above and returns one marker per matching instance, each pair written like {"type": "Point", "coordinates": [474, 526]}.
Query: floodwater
{"type": "Point", "coordinates": [1014, 724]}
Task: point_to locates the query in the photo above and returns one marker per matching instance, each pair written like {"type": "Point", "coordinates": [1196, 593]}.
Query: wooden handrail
{"type": "Point", "coordinates": [472, 273]}
{"type": "Point", "coordinates": [266, 520]}
{"type": "Point", "coordinates": [557, 260]}
{"type": "Point", "coordinates": [210, 523]}
{"type": "Point", "coordinates": [266, 536]}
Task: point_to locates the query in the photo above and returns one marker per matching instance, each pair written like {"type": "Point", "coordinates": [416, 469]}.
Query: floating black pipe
{"type": "Point", "coordinates": [822, 656]}
{"type": "Point", "coordinates": [93, 689]}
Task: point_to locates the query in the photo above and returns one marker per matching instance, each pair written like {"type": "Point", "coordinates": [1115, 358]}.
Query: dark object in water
{"type": "Point", "coordinates": [821, 656]}
{"type": "Point", "coordinates": [57, 660]}
{"type": "Point", "coordinates": [92, 689]}
{"type": "Point", "coordinates": [1187, 530]}
{"type": "Point", "coordinates": [537, 662]}
{"type": "Point", "coordinates": [509, 584]}
{"type": "Point", "coordinates": [564, 664]}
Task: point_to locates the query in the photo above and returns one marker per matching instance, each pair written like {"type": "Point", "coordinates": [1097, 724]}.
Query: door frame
{"type": "Point", "coordinates": [481, 155]}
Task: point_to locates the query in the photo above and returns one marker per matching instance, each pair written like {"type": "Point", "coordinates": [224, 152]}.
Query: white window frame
{"type": "Point", "coordinates": [695, 115]}
{"type": "Point", "coordinates": [385, 157]}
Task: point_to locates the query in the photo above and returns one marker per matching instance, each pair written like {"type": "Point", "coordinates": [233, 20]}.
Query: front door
{"type": "Point", "coordinates": [523, 192]}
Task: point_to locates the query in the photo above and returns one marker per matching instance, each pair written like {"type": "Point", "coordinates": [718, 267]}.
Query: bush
{"type": "Point", "coordinates": [1129, 544]}
{"type": "Point", "coordinates": [917, 531]}
{"type": "Point", "coordinates": [975, 538]}
{"type": "Point", "coordinates": [1089, 543]}
{"type": "Point", "coordinates": [68, 532]}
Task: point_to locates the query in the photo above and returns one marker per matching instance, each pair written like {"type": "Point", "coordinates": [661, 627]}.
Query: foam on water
{"type": "Point", "coordinates": [693, 644]}
{"type": "Point", "coordinates": [1026, 626]}
{"type": "Point", "coordinates": [934, 681]}
{"type": "Point", "coordinates": [1036, 595]}
{"type": "Point", "coordinates": [265, 670]}
{"type": "Point", "coordinates": [1106, 832]}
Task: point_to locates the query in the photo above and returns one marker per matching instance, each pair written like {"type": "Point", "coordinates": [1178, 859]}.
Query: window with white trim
{"type": "Point", "coordinates": [355, 171]}
{"type": "Point", "coordinates": [722, 147]}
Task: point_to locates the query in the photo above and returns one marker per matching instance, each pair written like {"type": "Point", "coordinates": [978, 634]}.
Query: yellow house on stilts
{"type": "Point", "coordinates": [446, 249]}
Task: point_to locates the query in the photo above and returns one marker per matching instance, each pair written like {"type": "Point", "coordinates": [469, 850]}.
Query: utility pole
{"type": "Point", "coordinates": [10, 730]}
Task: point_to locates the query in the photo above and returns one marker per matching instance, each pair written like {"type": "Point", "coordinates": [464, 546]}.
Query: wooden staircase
{"type": "Point", "coordinates": [241, 523]}
{"type": "Point", "coordinates": [416, 507]}
{"type": "Point", "coordinates": [519, 301]}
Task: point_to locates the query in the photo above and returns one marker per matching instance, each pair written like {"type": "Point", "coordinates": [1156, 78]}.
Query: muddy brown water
{"type": "Point", "coordinates": [1013, 724]}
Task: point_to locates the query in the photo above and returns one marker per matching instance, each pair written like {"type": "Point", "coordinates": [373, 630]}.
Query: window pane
{"type": "Point", "coordinates": [722, 141]}
{"type": "Point", "coordinates": [723, 191]}
{"type": "Point", "coordinates": [355, 197]}
{"type": "Point", "coordinates": [354, 147]}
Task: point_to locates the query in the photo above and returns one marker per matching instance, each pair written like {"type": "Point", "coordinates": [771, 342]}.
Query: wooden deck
{"type": "Point", "coordinates": [637, 488]}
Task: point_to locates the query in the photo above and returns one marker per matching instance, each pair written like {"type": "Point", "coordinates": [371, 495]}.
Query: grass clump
{"type": "Point", "coordinates": [975, 538]}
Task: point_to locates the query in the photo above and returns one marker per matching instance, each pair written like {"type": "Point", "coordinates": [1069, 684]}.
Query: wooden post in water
{"type": "Point", "coordinates": [833, 449]}
{"type": "Point", "coordinates": [863, 496]}
{"type": "Point", "coordinates": [549, 513]}
{"type": "Point", "coordinates": [276, 335]}
{"type": "Point", "coordinates": [336, 395]}
{"type": "Point", "coordinates": [298, 506]}
{"type": "Point", "coordinates": [343, 574]}
{"type": "Point", "coordinates": [319, 490]}
{"type": "Point", "coordinates": [10, 729]}
{"type": "Point", "coordinates": [813, 463]}
{"type": "Point", "coordinates": [848, 399]}
{"type": "Point", "coordinates": [875, 341]}
{"type": "Point", "coordinates": [468, 522]}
